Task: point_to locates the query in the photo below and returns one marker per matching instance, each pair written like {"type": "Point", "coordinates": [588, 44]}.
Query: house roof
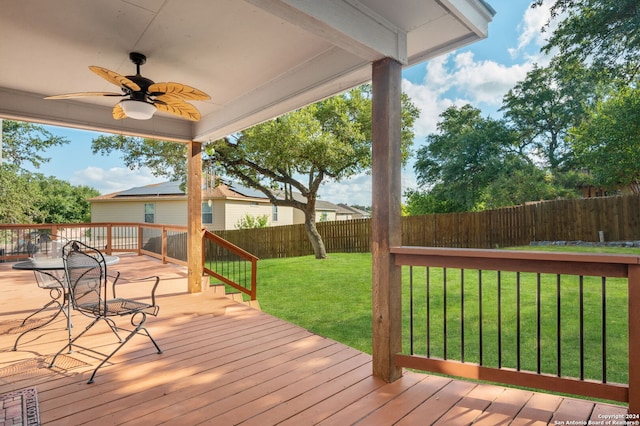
{"type": "Point", "coordinates": [173, 189]}
{"type": "Point", "coordinates": [257, 59]}
{"type": "Point", "coordinates": [224, 190]}
{"type": "Point", "coordinates": [344, 209]}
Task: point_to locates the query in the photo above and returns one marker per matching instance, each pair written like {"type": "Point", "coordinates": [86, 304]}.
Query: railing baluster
{"type": "Point", "coordinates": [428, 297]}
{"type": "Point", "coordinates": [411, 325]}
{"type": "Point", "coordinates": [558, 325]}
{"type": "Point", "coordinates": [518, 321]}
{"type": "Point", "coordinates": [480, 333]}
{"type": "Point", "coordinates": [499, 279]}
{"type": "Point", "coordinates": [538, 323]}
{"type": "Point", "coordinates": [604, 329]}
{"type": "Point", "coordinates": [581, 327]}
{"type": "Point", "coordinates": [444, 311]}
{"type": "Point", "coordinates": [462, 315]}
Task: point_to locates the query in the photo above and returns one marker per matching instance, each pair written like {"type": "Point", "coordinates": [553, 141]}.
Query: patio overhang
{"type": "Point", "coordinates": [256, 58]}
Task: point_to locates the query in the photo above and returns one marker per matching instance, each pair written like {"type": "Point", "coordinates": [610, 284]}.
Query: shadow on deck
{"type": "Point", "coordinates": [226, 363]}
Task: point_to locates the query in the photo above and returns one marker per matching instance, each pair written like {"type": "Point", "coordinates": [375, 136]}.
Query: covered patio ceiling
{"type": "Point", "coordinates": [257, 59]}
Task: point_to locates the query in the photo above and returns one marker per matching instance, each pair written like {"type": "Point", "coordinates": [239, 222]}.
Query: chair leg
{"type": "Point", "coordinates": [135, 331]}
{"type": "Point", "coordinates": [60, 309]}
{"type": "Point", "coordinates": [70, 344]}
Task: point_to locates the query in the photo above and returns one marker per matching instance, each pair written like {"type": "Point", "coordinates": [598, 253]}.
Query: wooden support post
{"type": "Point", "coordinates": [386, 227]}
{"type": "Point", "coordinates": [194, 217]}
{"type": "Point", "coordinates": [634, 339]}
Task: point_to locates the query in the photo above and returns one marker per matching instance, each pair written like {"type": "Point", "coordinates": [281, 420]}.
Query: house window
{"type": "Point", "coordinates": [149, 213]}
{"type": "Point", "coordinates": [274, 214]}
{"type": "Point", "coordinates": [207, 213]}
{"type": "Point", "coordinates": [324, 217]}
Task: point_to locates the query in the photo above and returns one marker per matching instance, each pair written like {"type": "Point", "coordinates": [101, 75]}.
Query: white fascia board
{"type": "Point", "coordinates": [474, 14]}
{"type": "Point", "coordinates": [347, 24]}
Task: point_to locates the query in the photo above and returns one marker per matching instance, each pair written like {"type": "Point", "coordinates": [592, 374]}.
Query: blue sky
{"type": "Point", "coordinates": [479, 74]}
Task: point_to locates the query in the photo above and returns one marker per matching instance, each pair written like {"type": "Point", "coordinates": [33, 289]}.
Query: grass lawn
{"type": "Point", "coordinates": [332, 298]}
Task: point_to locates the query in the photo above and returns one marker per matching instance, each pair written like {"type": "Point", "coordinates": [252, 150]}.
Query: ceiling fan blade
{"type": "Point", "coordinates": [178, 107]}
{"type": "Point", "coordinates": [115, 78]}
{"type": "Point", "coordinates": [84, 94]}
{"type": "Point", "coordinates": [178, 90]}
{"type": "Point", "coordinates": [118, 112]}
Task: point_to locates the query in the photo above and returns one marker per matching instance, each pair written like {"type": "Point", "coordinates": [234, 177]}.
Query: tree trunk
{"type": "Point", "coordinates": [314, 236]}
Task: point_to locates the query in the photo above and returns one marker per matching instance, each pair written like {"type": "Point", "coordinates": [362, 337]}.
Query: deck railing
{"type": "Point", "coordinates": [222, 260]}
{"type": "Point", "coordinates": [230, 264]}
{"type": "Point", "coordinates": [562, 322]}
{"type": "Point", "coordinates": [165, 242]}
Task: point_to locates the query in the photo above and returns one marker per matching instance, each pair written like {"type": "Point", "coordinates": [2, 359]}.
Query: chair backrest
{"type": "Point", "coordinates": [86, 275]}
{"type": "Point", "coordinates": [47, 246]}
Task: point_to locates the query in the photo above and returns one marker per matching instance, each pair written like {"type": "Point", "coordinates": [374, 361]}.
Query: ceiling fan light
{"type": "Point", "coordinates": [138, 110]}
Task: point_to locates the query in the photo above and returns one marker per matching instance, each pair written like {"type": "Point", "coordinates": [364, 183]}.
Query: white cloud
{"type": "Point", "coordinates": [114, 179]}
{"type": "Point", "coordinates": [356, 190]}
{"type": "Point", "coordinates": [532, 37]}
{"type": "Point", "coordinates": [458, 79]}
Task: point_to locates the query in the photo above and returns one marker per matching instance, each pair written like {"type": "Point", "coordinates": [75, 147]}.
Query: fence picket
{"type": "Point", "coordinates": [572, 220]}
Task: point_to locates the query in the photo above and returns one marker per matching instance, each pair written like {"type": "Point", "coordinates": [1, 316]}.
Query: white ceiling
{"type": "Point", "coordinates": [257, 59]}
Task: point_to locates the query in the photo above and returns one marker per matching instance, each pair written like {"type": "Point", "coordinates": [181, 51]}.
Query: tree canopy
{"type": "Point", "coordinates": [602, 34]}
{"type": "Point", "coordinates": [607, 141]}
{"type": "Point", "coordinates": [572, 123]}
{"type": "Point", "coordinates": [24, 143]}
{"type": "Point", "coordinates": [474, 163]}
{"type": "Point", "coordinates": [297, 152]}
{"type": "Point", "coordinates": [27, 197]}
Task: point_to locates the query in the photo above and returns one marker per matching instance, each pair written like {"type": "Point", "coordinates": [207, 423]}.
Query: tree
{"type": "Point", "coordinates": [21, 198]}
{"type": "Point", "coordinates": [23, 143]}
{"type": "Point", "coordinates": [61, 202]}
{"type": "Point", "coordinates": [300, 150]}
{"type": "Point", "coordinates": [459, 161]}
{"type": "Point", "coordinates": [607, 141]}
{"type": "Point", "coordinates": [17, 195]}
{"type": "Point", "coordinates": [34, 198]}
{"type": "Point", "coordinates": [543, 107]}
{"type": "Point", "coordinates": [601, 34]}
{"type": "Point", "coordinates": [474, 163]}
{"type": "Point", "coordinates": [161, 157]}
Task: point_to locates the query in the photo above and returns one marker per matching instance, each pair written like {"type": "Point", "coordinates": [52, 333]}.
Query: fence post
{"type": "Point", "coordinates": [634, 338]}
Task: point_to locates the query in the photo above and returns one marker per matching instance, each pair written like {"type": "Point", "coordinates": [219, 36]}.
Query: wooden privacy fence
{"type": "Point", "coordinates": [618, 218]}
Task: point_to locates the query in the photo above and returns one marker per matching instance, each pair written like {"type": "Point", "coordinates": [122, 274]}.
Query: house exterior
{"type": "Point", "coordinates": [222, 206]}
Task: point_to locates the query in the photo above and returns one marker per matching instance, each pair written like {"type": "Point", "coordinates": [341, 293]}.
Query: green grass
{"type": "Point", "coordinates": [332, 298]}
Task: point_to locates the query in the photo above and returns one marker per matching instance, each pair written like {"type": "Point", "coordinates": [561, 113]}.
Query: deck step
{"type": "Point", "coordinates": [236, 297]}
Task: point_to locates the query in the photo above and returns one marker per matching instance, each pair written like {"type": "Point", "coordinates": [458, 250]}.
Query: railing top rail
{"type": "Point", "coordinates": [627, 259]}
{"type": "Point", "coordinates": [585, 264]}
{"type": "Point", "coordinates": [232, 247]}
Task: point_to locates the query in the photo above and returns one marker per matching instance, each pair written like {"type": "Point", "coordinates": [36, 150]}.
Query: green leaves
{"type": "Point", "coordinates": [161, 157]}
{"type": "Point", "coordinates": [607, 141]}
{"type": "Point", "coordinates": [33, 198]}
{"type": "Point", "coordinates": [23, 143]}
{"type": "Point", "coordinates": [602, 34]}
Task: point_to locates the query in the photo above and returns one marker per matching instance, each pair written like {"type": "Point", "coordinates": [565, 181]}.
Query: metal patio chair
{"type": "Point", "coordinates": [89, 285]}
{"type": "Point", "coordinates": [46, 246]}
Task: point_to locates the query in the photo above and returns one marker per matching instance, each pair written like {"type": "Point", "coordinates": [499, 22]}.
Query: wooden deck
{"type": "Point", "coordinates": [226, 363]}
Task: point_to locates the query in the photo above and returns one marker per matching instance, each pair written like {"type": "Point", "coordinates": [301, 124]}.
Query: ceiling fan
{"type": "Point", "coordinates": [142, 96]}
